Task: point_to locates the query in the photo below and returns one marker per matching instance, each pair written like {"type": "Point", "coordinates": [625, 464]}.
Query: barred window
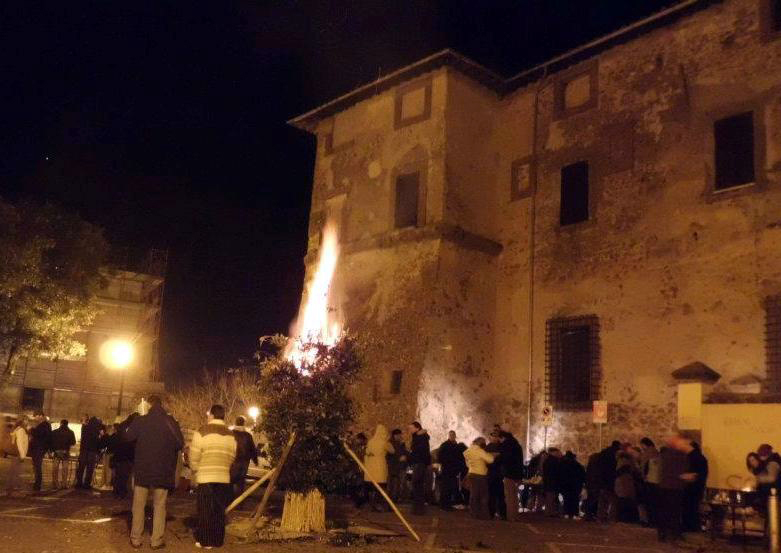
{"type": "Point", "coordinates": [407, 194]}
{"type": "Point", "coordinates": [773, 342]}
{"type": "Point", "coordinates": [395, 384]}
{"type": "Point", "coordinates": [572, 358]}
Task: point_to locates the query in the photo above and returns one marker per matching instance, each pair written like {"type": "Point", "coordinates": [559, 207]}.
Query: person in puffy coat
{"type": "Point", "coordinates": [376, 463]}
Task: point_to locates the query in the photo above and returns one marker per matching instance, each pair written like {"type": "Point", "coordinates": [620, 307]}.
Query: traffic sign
{"type": "Point", "coordinates": [547, 415]}
{"type": "Point", "coordinates": [599, 412]}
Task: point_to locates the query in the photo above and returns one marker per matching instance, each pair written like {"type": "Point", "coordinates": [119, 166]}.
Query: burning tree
{"type": "Point", "coordinates": [311, 401]}
{"type": "Point", "coordinates": [306, 387]}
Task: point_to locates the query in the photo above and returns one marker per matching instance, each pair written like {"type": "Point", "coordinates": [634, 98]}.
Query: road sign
{"type": "Point", "coordinates": [547, 415]}
{"type": "Point", "coordinates": [599, 412]}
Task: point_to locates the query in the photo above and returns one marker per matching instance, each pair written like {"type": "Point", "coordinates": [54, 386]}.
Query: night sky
{"type": "Point", "coordinates": [164, 123]}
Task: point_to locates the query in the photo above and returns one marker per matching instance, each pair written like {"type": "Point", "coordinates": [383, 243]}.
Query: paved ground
{"type": "Point", "coordinates": [75, 521]}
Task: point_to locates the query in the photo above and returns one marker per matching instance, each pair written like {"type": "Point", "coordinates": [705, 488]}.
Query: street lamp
{"type": "Point", "coordinates": [117, 354]}
{"type": "Point", "coordinates": [253, 412]}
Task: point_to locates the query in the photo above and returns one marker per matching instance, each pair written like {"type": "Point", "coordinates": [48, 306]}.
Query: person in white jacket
{"type": "Point", "coordinates": [376, 463]}
{"type": "Point", "coordinates": [20, 441]}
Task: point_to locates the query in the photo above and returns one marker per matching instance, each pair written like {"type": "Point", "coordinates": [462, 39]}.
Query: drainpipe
{"type": "Point", "coordinates": [532, 246]}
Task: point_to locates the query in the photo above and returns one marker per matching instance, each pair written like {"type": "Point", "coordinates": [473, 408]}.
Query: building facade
{"type": "Point", "coordinates": [574, 233]}
{"type": "Point", "coordinates": [129, 308]}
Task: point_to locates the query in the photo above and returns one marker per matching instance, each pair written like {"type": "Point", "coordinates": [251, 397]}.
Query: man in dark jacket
{"type": "Point", "coordinates": [40, 443]}
{"type": "Point", "coordinates": [606, 480]}
{"type": "Point", "coordinates": [496, 504]}
{"type": "Point", "coordinates": [397, 466]}
{"type": "Point", "coordinates": [592, 487]}
{"type": "Point", "coordinates": [122, 456]}
{"type": "Point", "coordinates": [453, 467]}
{"type": "Point", "coordinates": [158, 442]}
{"type": "Point", "coordinates": [572, 475]}
{"type": "Point", "coordinates": [674, 463]}
{"type": "Point", "coordinates": [89, 449]}
{"type": "Point", "coordinates": [419, 460]}
{"type": "Point", "coordinates": [63, 439]}
{"type": "Point", "coordinates": [511, 460]}
{"type": "Point", "coordinates": [245, 452]}
{"type": "Point", "coordinates": [551, 481]}
{"type": "Point", "coordinates": [695, 487]}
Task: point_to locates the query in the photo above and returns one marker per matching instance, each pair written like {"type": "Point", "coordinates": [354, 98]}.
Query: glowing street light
{"type": "Point", "coordinates": [253, 412]}
{"type": "Point", "coordinates": [117, 354]}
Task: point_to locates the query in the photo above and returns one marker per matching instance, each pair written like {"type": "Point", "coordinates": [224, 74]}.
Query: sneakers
{"type": "Point", "coordinates": [158, 546]}
{"type": "Point", "coordinates": [199, 546]}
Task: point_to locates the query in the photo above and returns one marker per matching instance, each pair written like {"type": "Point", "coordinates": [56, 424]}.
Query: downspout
{"type": "Point", "coordinates": [532, 246]}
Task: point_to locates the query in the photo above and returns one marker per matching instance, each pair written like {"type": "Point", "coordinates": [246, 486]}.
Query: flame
{"type": "Point", "coordinates": [316, 321]}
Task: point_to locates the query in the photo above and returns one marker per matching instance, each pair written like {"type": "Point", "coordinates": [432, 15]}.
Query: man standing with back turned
{"type": "Point", "coordinates": [158, 442]}
{"type": "Point", "coordinates": [212, 452]}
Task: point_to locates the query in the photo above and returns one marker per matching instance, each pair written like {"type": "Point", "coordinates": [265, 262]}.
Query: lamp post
{"type": "Point", "coordinates": [117, 354]}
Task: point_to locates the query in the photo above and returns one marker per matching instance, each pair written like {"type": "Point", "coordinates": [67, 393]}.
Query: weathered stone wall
{"type": "Point", "coordinates": [674, 272]}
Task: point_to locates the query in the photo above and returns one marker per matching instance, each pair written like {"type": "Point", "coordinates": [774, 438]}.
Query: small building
{"type": "Point", "coordinates": [129, 309]}
{"type": "Point", "coordinates": [576, 232]}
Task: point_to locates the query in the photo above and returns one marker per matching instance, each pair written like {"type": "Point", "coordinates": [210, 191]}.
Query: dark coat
{"type": "Point", "coordinates": [63, 439]}
{"type": "Point", "coordinates": [90, 435]}
{"type": "Point", "coordinates": [511, 458]}
{"type": "Point", "coordinates": [572, 475]}
{"type": "Point", "coordinates": [420, 451]}
{"type": "Point", "coordinates": [245, 448]}
{"type": "Point", "coordinates": [158, 440]}
{"type": "Point", "coordinates": [551, 474]}
{"type": "Point", "coordinates": [395, 464]}
{"type": "Point", "coordinates": [699, 465]}
{"type": "Point", "coordinates": [605, 468]}
{"type": "Point", "coordinates": [40, 438]}
{"type": "Point", "coordinates": [451, 457]}
{"type": "Point", "coordinates": [123, 450]}
{"type": "Point", "coordinates": [592, 472]}
{"type": "Point", "coordinates": [494, 469]}
{"type": "Point", "coordinates": [674, 464]}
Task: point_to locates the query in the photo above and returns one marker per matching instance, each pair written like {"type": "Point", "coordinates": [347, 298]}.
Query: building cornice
{"type": "Point", "coordinates": [494, 81]}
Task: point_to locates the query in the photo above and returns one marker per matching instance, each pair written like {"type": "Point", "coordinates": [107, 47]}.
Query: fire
{"type": "Point", "coordinates": [316, 321]}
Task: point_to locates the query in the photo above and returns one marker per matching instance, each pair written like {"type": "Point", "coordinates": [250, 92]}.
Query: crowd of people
{"type": "Point", "coordinates": [146, 451]}
{"type": "Point", "coordinates": [643, 484]}
{"type": "Point", "coordinates": [657, 487]}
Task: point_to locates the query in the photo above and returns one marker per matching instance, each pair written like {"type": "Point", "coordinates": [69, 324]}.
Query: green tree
{"type": "Point", "coordinates": [50, 269]}
{"type": "Point", "coordinates": [313, 402]}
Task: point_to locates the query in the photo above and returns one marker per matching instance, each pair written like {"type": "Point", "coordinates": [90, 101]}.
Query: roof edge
{"type": "Point", "coordinates": [447, 57]}
{"type": "Point", "coordinates": [490, 79]}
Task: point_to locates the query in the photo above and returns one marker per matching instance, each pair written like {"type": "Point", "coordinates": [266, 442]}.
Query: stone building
{"type": "Point", "coordinates": [573, 233]}
{"type": "Point", "coordinates": [129, 308]}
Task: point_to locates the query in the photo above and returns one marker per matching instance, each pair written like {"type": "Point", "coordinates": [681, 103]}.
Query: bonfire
{"type": "Point", "coordinates": [306, 386]}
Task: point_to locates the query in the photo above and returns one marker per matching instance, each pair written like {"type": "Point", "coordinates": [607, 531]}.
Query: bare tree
{"type": "Point", "coordinates": [236, 389]}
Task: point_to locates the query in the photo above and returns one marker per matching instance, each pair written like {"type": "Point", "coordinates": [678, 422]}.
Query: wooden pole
{"type": "Point", "coordinates": [248, 491]}
{"type": "Point", "coordinates": [382, 492]}
{"type": "Point", "coordinates": [273, 482]}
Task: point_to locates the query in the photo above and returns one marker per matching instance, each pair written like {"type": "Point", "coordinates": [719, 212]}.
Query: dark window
{"type": "Point", "coordinates": [396, 378]}
{"type": "Point", "coordinates": [407, 200]}
{"type": "Point", "coordinates": [574, 193]}
{"type": "Point", "coordinates": [775, 15]}
{"type": "Point", "coordinates": [32, 399]}
{"type": "Point", "coordinates": [734, 150]}
{"type": "Point", "coordinates": [572, 361]}
{"type": "Point", "coordinates": [773, 343]}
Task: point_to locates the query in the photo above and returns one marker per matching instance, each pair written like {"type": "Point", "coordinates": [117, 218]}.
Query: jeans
{"type": "Point", "coordinates": [419, 489]}
{"type": "Point", "coordinates": [496, 504]}
{"type": "Point", "coordinates": [606, 506]}
{"type": "Point", "coordinates": [551, 503]}
{"type": "Point", "coordinates": [448, 488]}
{"type": "Point", "coordinates": [87, 461]}
{"type": "Point", "coordinates": [478, 496]}
{"type": "Point", "coordinates": [140, 495]}
{"type": "Point", "coordinates": [60, 463]}
{"type": "Point", "coordinates": [511, 497]}
{"type": "Point", "coordinates": [669, 513]}
{"type": "Point", "coordinates": [122, 470]}
{"type": "Point", "coordinates": [397, 483]}
{"type": "Point", "coordinates": [37, 457]}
